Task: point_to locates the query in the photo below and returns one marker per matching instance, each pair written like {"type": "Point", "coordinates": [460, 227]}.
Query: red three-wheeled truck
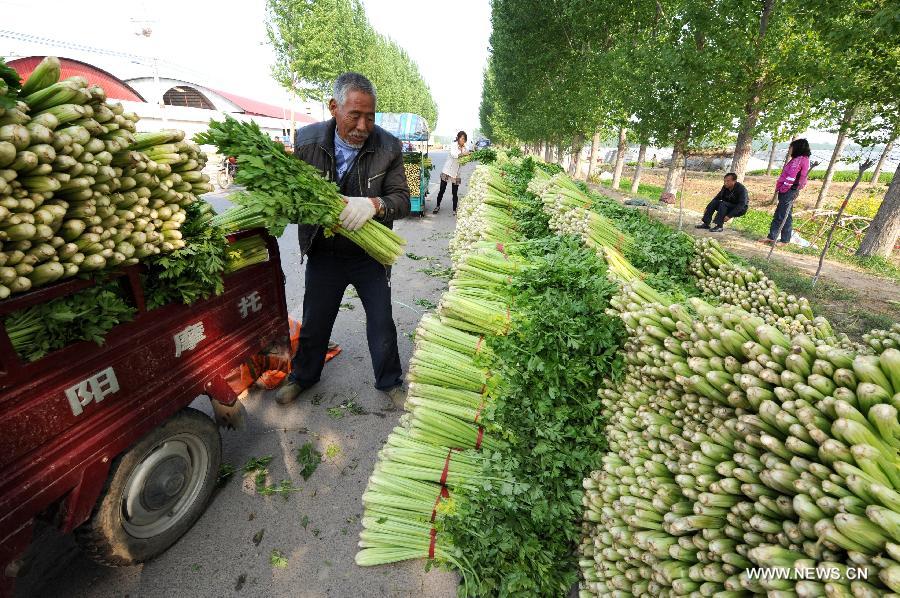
{"type": "Point", "coordinates": [99, 439]}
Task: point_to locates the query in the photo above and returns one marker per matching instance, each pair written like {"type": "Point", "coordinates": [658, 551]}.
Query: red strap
{"type": "Point", "coordinates": [500, 248]}
{"type": "Point", "coordinates": [478, 411]}
{"type": "Point", "coordinates": [478, 344]}
{"type": "Point", "coordinates": [480, 436]}
{"type": "Point", "coordinates": [432, 543]}
{"type": "Point", "coordinates": [444, 493]}
{"type": "Point", "coordinates": [446, 467]}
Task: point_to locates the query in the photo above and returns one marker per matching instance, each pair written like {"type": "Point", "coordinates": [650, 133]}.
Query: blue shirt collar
{"type": "Point", "coordinates": [344, 154]}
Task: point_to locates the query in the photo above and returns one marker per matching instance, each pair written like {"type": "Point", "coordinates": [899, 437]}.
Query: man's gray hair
{"type": "Point", "coordinates": [348, 82]}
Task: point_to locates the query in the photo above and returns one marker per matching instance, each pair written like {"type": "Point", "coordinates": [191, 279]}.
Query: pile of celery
{"type": "Point", "coordinates": [436, 447]}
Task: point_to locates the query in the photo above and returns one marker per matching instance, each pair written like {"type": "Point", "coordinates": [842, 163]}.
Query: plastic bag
{"type": "Point", "coordinates": [270, 369]}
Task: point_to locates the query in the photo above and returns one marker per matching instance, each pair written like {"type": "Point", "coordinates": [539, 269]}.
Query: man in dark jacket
{"type": "Point", "coordinates": [730, 202]}
{"type": "Point", "coordinates": [366, 163]}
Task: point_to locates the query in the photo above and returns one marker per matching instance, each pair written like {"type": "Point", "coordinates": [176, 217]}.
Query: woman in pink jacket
{"type": "Point", "coordinates": [792, 180]}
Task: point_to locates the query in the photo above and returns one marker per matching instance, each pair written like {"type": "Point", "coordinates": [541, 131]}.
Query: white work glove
{"type": "Point", "coordinates": [357, 212]}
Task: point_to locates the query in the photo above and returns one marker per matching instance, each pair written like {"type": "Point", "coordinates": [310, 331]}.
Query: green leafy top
{"type": "Point", "coordinates": [282, 188]}
{"type": "Point", "coordinates": [193, 272]}
{"type": "Point", "coordinates": [85, 316]}
{"type": "Point", "coordinates": [10, 79]}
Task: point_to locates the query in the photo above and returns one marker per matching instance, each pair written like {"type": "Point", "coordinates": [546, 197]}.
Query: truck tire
{"type": "Point", "coordinates": [155, 491]}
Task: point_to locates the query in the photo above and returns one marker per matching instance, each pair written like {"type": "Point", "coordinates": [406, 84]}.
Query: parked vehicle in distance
{"type": "Point", "coordinates": [482, 143]}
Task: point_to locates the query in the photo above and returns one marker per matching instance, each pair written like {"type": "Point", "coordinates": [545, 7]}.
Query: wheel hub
{"type": "Point", "coordinates": [165, 483]}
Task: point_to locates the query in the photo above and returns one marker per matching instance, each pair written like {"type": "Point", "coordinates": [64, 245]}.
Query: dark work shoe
{"type": "Point", "coordinates": [436, 210]}
{"type": "Point", "coordinates": [718, 229]}
{"type": "Point", "coordinates": [288, 393]}
{"type": "Point", "coordinates": [702, 225]}
{"type": "Point", "coordinates": [395, 398]}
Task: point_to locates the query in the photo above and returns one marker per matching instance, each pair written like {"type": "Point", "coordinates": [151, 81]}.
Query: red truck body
{"type": "Point", "coordinates": [65, 417]}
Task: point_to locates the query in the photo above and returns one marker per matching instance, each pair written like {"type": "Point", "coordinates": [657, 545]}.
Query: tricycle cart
{"type": "Point", "coordinates": [412, 131]}
{"type": "Point", "coordinates": [100, 439]}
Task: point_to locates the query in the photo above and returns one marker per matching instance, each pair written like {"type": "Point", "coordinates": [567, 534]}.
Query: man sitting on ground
{"type": "Point", "coordinates": [730, 202]}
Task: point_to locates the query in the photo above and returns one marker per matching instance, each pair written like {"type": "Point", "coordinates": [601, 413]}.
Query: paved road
{"type": "Point", "coordinates": [317, 527]}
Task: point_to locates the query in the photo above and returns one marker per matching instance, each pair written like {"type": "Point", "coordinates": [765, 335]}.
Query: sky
{"type": "Point", "coordinates": [223, 44]}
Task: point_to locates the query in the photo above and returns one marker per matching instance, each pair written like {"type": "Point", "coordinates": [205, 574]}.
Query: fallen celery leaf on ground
{"type": "Point", "coordinates": [277, 559]}
{"type": "Point", "coordinates": [308, 458]}
{"type": "Point", "coordinates": [226, 472]}
{"type": "Point", "coordinates": [425, 303]}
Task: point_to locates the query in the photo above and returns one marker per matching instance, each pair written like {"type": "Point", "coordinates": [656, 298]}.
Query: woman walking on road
{"type": "Point", "coordinates": [790, 183]}
{"type": "Point", "coordinates": [450, 172]}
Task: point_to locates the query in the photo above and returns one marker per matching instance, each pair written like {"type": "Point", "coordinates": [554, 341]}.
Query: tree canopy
{"type": "Point", "coordinates": [317, 40]}
{"type": "Point", "coordinates": [694, 73]}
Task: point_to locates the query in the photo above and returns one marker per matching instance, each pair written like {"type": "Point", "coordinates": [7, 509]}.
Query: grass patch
{"type": "Point", "coordinates": [840, 176]}
{"type": "Point", "coordinates": [645, 191]}
{"type": "Point", "coordinates": [840, 305]}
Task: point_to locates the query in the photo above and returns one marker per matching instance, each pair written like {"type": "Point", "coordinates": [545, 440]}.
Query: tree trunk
{"type": "Point", "coordinates": [620, 158]}
{"type": "Point", "coordinates": [548, 152]}
{"type": "Point", "coordinates": [881, 236]}
{"type": "Point", "coordinates": [673, 177]}
{"type": "Point", "coordinates": [836, 155]}
{"type": "Point", "coordinates": [636, 181]}
{"type": "Point", "coordinates": [887, 151]}
{"type": "Point", "coordinates": [577, 145]}
{"type": "Point", "coordinates": [743, 146]}
{"type": "Point", "coordinates": [771, 158]}
{"type": "Point", "coordinates": [560, 155]}
{"type": "Point", "coordinates": [595, 147]}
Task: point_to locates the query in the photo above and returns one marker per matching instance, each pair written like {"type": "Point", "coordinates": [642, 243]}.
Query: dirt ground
{"type": "Point", "coordinates": [700, 187]}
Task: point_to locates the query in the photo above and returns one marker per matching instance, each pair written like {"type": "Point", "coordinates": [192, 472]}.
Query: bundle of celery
{"type": "Point", "coordinates": [246, 252]}
{"type": "Point", "coordinates": [86, 315]}
{"type": "Point", "coordinates": [485, 156]}
{"type": "Point", "coordinates": [80, 190]}
{"type": "Point", "coordinates": [571, 213]}
{"type": "Point", "coordinates": [280, 189]}
{"type": "Point", "coordinates": [485, 213]}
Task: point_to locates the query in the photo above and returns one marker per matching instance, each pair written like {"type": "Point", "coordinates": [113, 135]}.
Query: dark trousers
{"type": "Point", "coordinates": [443, 188]}
{"type": "Point", "coordinates": [327, 277]}
{"type": "Point", "coordinates": [722, 210]}
{"type": "Point", "coordinates": [784, 212]}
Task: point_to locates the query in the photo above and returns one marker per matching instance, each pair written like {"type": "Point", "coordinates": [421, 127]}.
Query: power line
{"type": "Point", "coordinates": [25, 37]}
{"type": "Point", "coordinates": [144, 60]}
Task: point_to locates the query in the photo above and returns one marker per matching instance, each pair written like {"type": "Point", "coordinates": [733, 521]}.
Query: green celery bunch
{"type": "Point", "coordinates": [280, 190]}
